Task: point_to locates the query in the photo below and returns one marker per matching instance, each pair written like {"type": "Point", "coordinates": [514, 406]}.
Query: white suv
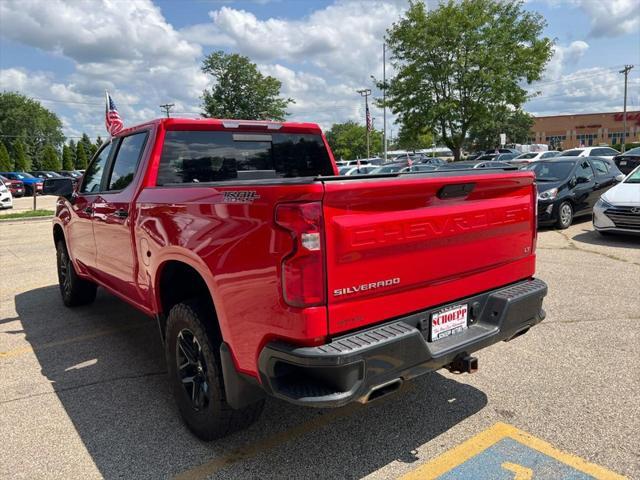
{"type": "Point", "coordinates": [602, 152]}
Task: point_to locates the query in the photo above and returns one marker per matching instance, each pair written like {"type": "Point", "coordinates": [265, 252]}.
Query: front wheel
{"type": "Point", "coordinates": [195, 375]}
{"type": "Point", "coordinates": [75, 291]}
{"type": "Point", "coordinates": [565, 216]}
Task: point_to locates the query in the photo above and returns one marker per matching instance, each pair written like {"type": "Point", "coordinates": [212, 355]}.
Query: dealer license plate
{"type": "Point", "coordinates": [448, 321]}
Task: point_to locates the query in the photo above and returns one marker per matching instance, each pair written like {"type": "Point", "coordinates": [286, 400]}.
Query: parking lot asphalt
{"type": "Point", "coordinates": [83, 392]}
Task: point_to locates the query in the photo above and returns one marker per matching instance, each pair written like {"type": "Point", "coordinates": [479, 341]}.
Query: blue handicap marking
{"type": "Point", "coordinates": [510, 460]}
{"type": "Point", "coordinates": [504, 452]}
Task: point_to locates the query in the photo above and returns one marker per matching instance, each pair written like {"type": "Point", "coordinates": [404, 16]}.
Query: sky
{"type": "Point", "coordinates": [66, 53]}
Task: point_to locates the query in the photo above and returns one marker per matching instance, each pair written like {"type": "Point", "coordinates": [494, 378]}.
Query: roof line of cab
{"type": "Point", "coordinates": [266, 126]}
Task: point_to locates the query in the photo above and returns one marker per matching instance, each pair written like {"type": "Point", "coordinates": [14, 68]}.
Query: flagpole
{"type": "Point", "coordinates": [384, 97]}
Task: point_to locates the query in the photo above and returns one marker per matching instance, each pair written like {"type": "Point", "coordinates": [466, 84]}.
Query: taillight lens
{"type": "Point", "coordinates": [303, 276]}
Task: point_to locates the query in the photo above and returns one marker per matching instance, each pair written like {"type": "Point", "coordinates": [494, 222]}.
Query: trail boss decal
{"type": "Point", "coordinates": [240, 196]}
{"type": "Point", "coordinates": [338, 292]}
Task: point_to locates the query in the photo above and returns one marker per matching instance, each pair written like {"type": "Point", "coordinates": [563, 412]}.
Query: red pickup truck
{"type": "Point", "coordinates": [268, 274]}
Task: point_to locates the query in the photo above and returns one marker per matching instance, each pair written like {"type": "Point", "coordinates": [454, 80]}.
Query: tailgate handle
{"type": "Point", "coordinates": [456, 190]}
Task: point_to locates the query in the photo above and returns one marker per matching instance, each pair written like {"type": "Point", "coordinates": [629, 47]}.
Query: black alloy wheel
{"type": "Point", "coordinates": [192, 369]}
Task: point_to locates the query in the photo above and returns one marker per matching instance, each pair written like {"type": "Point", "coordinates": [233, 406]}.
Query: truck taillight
{"type": "Point", "coordinates": [303, 276]}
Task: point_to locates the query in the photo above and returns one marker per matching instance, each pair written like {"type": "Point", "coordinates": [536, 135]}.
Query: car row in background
{"type": "Point", "coordinates": [24, 183]}
{"type": "Point", "coordinates": [570, 186]}
{"type": "Point", "coordinates": [16, 187]}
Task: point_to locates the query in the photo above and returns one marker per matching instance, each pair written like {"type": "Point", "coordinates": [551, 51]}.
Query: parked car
{"type": "Point", "coordinates": [505, 157]}
{"type": "Point", "coordinates": [569, 187]}
{"type": "Point", "coordinates": [344, 169]}
{"type": "Point", "coordinates": [420, 167]}
{"type": "Point", "coordinates": [6, 199]}
{"type": "Point", "coordinates": [70, 173]}
{"type": "Point", "coordinates": [602, 152]}
{"type": "Point", "coordinates": [361, 170]}
{"type": "Point", "coordinates": [16, 187]}
{"type": "Point", "coordinates": [476, 165]}
{"type": "Point", "coordinates": [502, 150]}
{"type": "Point", "coordinates": [628, 160]}
{"type": "Point", "coordinates": [321, 291]}
{"type": "Point", "coordinates": [535, 156]}
{"type": "Point", "coordinates": [389, 168]}
{"type": "Point", "coordinates": [435, 161]}
{"type": "Point", "coordinates": [618, 210]}
{"type": "Point", "coordinates": [30, 182]}
{"type": "Point", "coordinates": [45, 174]}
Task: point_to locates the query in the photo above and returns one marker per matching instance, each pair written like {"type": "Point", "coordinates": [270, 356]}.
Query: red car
{"type": "Point", "coordinates": [269, 274]}
{"type": "Point", "coordinates": [16, 187]}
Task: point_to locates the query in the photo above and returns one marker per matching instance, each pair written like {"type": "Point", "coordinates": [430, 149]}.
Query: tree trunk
{"type": "Point", "coordinates": [456, 153]}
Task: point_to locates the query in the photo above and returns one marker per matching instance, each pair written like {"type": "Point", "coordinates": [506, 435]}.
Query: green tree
{"type": "Point", "coordinates": [89, 147]}
{"type": "Point", "coordinates": [240, 91]}
{"type": "Point", "coordinates": [516, 124]}
{"type": "Point", "coordinates": [81, 157]}
{"type": "Point", "coordinates": [23, 162]}
{"type": "Point", "coordinates": [6, 165]}
{"type": "Point", "coordinates": [24, 119]}
{"type": "Point", "coordinates": [99, 142]}
{"type": "Point", "coordinates": [412, 139]}
{"type": "Point", "coordinates": [50, 159]}
{"type": "Point", "coordinates": [67, 158]}
{"type": "Point", "coordinates": [348, 141]}
{"type": "Point", "coordinates": [460, 62]}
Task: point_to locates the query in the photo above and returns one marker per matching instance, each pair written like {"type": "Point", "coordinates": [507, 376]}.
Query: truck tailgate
{"type": "Point", "coordinates": [399, 245]}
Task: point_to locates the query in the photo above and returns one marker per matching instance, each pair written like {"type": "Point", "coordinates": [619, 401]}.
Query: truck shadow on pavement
{"type": "Point", "coordinates": [105, 363]}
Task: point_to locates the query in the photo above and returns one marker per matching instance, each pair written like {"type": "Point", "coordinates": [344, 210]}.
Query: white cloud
{"type": "Point", "coordinates": [125, 47]}
{"type": "Point", "coordinates": [565, 56]}
{"type": "Point", "coordinates": [611, 18]}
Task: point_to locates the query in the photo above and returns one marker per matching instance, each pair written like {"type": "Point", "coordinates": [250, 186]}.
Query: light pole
{"type": "Point", "coordinates": [365, 92]}
{"type": "Point", "coordinates": [626, 70]}
{"type": "Point", "coordinates": [384, 97]}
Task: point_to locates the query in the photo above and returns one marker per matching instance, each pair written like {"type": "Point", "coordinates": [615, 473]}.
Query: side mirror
{"type": "Point", "coordinates": [620, 177]}
{"type": "Point", "coordinates": [61, 187]}
{"type": "Point", "coordinates": [582, 180]}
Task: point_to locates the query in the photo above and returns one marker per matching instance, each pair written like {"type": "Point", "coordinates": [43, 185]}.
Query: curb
{"type": "Point", "coordinates": [26, 219]}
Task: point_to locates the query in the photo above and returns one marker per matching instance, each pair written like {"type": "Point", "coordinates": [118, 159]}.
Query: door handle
{"type": "Point", "coordinates": [121, 213]}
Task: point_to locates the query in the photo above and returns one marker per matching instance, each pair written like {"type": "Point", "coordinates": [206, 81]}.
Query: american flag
{"type": "Point", "coordinates": [112, 119]}
{"type": "Point", "coordinates": [369, 122]}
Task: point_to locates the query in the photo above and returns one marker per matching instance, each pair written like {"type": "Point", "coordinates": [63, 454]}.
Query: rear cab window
{"type": "Point", "coordinates": [219, 156]}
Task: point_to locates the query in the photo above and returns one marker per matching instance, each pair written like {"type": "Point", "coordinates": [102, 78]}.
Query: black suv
{"type": "Point", "coordinates": [570, 186]}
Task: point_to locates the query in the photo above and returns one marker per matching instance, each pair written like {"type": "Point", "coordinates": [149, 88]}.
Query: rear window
{"type": "Point", "coordinates": [206, 156]}
{"type": "Point", "coordinates": [572, 153]}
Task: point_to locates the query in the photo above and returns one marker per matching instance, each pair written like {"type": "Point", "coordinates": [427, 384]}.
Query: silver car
{"type": "Point", "coordinates": [618, 209]}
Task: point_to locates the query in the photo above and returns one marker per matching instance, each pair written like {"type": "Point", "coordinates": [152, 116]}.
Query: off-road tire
{"type": "Point", "coordinates": [216, 418]}
{"type": "Point", "coordinates": [75, 291]}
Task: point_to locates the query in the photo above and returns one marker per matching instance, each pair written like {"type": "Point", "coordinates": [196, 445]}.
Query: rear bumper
{"type": "Point", "coordinates": [350, 367]}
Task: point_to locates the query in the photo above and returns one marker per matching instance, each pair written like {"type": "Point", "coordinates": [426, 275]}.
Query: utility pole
{"type": "Point", "coordinates": [365, 92]}
{"type": "Point", "coordinates": [384, 97]}
{"type": "Point", "coordinates": [167, 108]}
{"type": "Point", "coordinates": [625, 70]}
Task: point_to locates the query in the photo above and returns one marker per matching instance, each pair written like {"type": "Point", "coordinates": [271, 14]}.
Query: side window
{"type": "Point", "coordinates": [126, 161]}
{"type": "Point", "coordinates": [600, 167]}
{"type": "Point", "coordinates": [584, 170]}
{"type": "Point", "coordinates": [92, 180]}
{"type": "Point", "coordinates": [548, 155]}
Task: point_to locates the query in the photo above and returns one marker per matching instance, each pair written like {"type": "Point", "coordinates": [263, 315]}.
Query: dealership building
{"type": "Point", "coordinates": [569, 131]}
